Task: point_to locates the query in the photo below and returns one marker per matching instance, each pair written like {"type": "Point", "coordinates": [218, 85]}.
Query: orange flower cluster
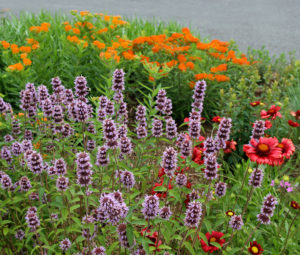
{"type": "Point", "coordinates": [44, 27]}
{"type": "Point", "coordinates": [16, 67]}
{"type": "Point", "coordinates": [219, 68]}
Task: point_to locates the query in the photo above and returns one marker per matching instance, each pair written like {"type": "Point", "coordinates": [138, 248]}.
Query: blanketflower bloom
{"type": "Point", "coordinates": [296, 114]}
{"type": "Point", "coordinates": [213, 237]}
{"type": "Point", "coordinates": [272, 113]}
{"type": "Point", "coordinates": [216, 119]}
{"type": "Point", "coordinates": [264, 151]}
{"type": "Point", "coordinates": [256, 103]}
{"type": "Point", "coordinates": [293, 123]}
{"type": "Point", "coordinates": [230, 146]}
{"type": "Point", "coordinates": [255, 248]}
{"type": "Point", "coordinates": [230, 213]}
{"type": "Point", "coordinates": [295, 205]}
{"type": "Point", "coordinates": [287, 147]}
{"type": "Point", "coordinates": [153, 238]}
{"type": "Point", "coordinates": [268, 124]}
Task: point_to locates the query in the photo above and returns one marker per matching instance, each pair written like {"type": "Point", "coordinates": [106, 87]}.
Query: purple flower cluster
{"type": "Point", "coordinates": [169, 161]}
{"type": "Point", "coordinates": [186, 148]}
{"type": "Point", "coordinates": [193, 214]}
{"type": "Point", "coordinates": [224, 132]}
{"type": "Point", "coordinates": [236, 222]}
{"type": "Point", "coordinates": [194, 129]}
{"type": "Point", "coordinates": [32, 219]}
{"type": "Point", "coordinates": [181, 180]}
{"type": "Point", "coordinates": [84, 171]}
{"type": "Point", "coordinates": [258, 129]}
{"type": "Point", "coordinates": [102, 157]}
{"type": "Point", "coordinates": [110, 133]}
{"type": "Point", "coordinates": [150, 207]}
{"type": "Point", "coordinates": [211, 168]}
{"type": "Point", "coordinates": [20, 234]}
{"type": "Point", "coordinates": [62, 183]}
{"type": "Point", "coordinates": [267, 209]}
{"type": "Point", "coordinates": [165, 213]}
{"type": "Point", "coordinates": [65, 244]}
{"type": "Point", "coordinates": [209, 146]}
{"type": "Point", "coordinates": [127, 178]}
{"type": "Point", "coordinates": [123, 236]}
{"type": "Point", "coordinates": [171, 128]}
{"type": "Point", "coordinates": [90, 145]}
{"type": "Point", "coordinates": [60, 167]}
{"type": "Point", "coordinates": [81, 90]}
{"type": "Point", "coordinates": [161, 100]}
{"type": "Point", "coordinates": [256, 178]}
{"type": "Point", "coordinates": [118, 83]}
{"type": "Point", "coordinates": [5, 180]}
{"type": "Point", "coordinates": [199, 94]}
{"type": "Point", "coordinates": [125, 145]}
{"type": "Point", "coordinates": [220, 189]}
{"type": "Point", "coordinates": [112, 208]}
{"type": "Point", "coordinates": [35, 163]}
{"type": "Point", "coordinates": [168, 107]}
{"type": "Point", "coordinates": [157, 127]}
{"type": "Point", "coordinates": [25, 184]}
{"type": "Point", "coordinates": [16, 148]}
{"type": "Point", "coordinates": [99, 251]}
{"type": "Point", "coordinates": [3, 106]}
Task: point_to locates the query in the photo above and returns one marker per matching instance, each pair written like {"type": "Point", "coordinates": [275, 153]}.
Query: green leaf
{"type": "Point", "coordinates": [189, 247]}
{"type": "Point", "coordinates": [216, 244]}
{"type": "Point", "coordinates": [202, 236]}
{"type": "Point", "coordinates": [130, 234]}
{"type": "Point", "coordinates": [5, 231]}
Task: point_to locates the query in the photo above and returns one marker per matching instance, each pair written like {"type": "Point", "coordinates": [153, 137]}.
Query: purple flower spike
{"type": "Point", "coordinates": [150, 207]}
{"type": "Point", "coordinates": [169, 161]}
{"type": "Point", "coordinates": [171, 128]}
{"type": "Point", "coordinates": [81, 90]}
{"type": "Point", "coordinates": [236, 222]}
{"type": "Point", "coordinates": [118, 80]}
{"type": "Point", "coordinates": [220, 189]}
{"type": "Point", "coordinates": [256, 178]}
{"type": "Point", "coordinates": [193, 214]}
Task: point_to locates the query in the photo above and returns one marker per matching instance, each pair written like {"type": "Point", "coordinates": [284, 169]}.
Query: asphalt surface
{"type": "Point", "coordinates": [274, 24]}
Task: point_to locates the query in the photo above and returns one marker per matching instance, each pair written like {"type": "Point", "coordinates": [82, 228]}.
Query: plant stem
{"type": "Point", "coordinates": [241, 252]}
{"type": "Point", "coordinates": [248, 200]}
{"type": "Point", "coordinates": [178, 252]}
{"type": "Point", "coordinates": [287, 236]}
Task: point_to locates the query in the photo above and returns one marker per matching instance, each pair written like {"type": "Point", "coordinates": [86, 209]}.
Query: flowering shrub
{"type": "Point", "coordinates": [83, 175]}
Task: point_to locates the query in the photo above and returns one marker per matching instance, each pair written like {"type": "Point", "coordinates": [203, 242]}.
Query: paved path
{"type": "Point", "coordinates": [273, 23]}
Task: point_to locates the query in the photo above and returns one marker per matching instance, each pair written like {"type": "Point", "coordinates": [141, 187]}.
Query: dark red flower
{"type": "Point", "coordinates": [230, 146]}
{"type": "Point", "coordinates": [217, 119]}
{"type": "Point", "coordinates": [255, 248]}
{"type": "Point", "coordinates": [160, 193]}
{"type": "Point", "coordinates": [186, 120]}
{"type": "Point", "coordinates": [296, 114]}
{"type": "Point", "coordinates": [273, 112]}
{"type": "Point", "coordinates": [268, 124]}
{"type": "Point", "coordinates": [153, 238]}
{"type": "Point", "coordinates": [295, 205]}
{"type": "Point", "coordinates": [293, 123]}
{"type": "Point", "coordinates": [197, 155]}
{"type": "Point", "coordinates": [230, 213]}
{"type": "Point", "coordinates": [287, 147]}
{"type": "Point", "coordinates": [256, 103]}
{"type": "Point", "coordinates": [213, 237]}
{"type": "Point", "coordinates": [265, 151]}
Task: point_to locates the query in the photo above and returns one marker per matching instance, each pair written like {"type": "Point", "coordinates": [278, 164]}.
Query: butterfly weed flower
{"type": "Point", "coordinates": [256, 178]}
{"type": "Point", "coordinates": [220, 189]}
{"type": "Point", "coordinates": [258, 130]}
{"type": "Point", "coordinates": [65, 244]}
{"type": "Point", "coordinates": [236, 222]}
{"type": "Point", "coordinates": [150, 207]}
{"type": "Point", "coordinates": [193, 214]}
{"type": "Point", "coordinates": [118, 83]}
{"type": "Point", "coordinates": [157, 128]}
{"type": "Point", "coordinates": [165, 213]}
{"type": "Point", "coordinates": [169, 161]}
{"type": "Point", "coordinates": [171, 128]}
{"type": "Point", "coordinates": [60, 167]}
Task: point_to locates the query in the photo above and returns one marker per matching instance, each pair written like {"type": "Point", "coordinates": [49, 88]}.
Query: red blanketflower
{"type": "Point", "coordinates": [293, 123]}
{"type": "Point", "coordinates": [213, 237]}
{"type": "Point", "coordinates": [255, 248]}
{"type": "Point", "coordinates": [153, 238]}
{"type": "Point", "coordinates": [268, 124]}
{"type": "Point", "coordinates": [256, 103]}
{"type": "Point", "coordinates": [217, 119]}
{"type": "Point", "coordinates": [287, 147]}
{"type": "Point", "coordinates": [160, 193]}
{"type": "Point", "coordinates": [197, 155]}
{"type": "Point", "coordinates": [230, 146]}
{"type": "Point", "coordinates": [295, 205]}
{"type": "Point", "coordinates": [296, 114]}
{"type": "Point", "coordinates": [230, 213]}
{"type": "Point", "coordinates": [273, 112]}
{"type": "Point", "coordinates": [265, 151]}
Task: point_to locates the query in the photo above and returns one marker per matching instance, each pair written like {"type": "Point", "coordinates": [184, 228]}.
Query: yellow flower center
{"type": "Point", "coordinates": [263, 147]}
{"type": "Point", "coordinates": [212, 239]}
{"type": "Point", "coordinates": [230, 213]}
{"type": "Point", "coordinates": [280, 145]}
{"type": "Point", "coordinates": [254, 249]}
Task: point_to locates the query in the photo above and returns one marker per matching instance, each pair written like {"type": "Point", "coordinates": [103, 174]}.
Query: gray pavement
{"type": "Point", "coordinates": [272, 23]}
